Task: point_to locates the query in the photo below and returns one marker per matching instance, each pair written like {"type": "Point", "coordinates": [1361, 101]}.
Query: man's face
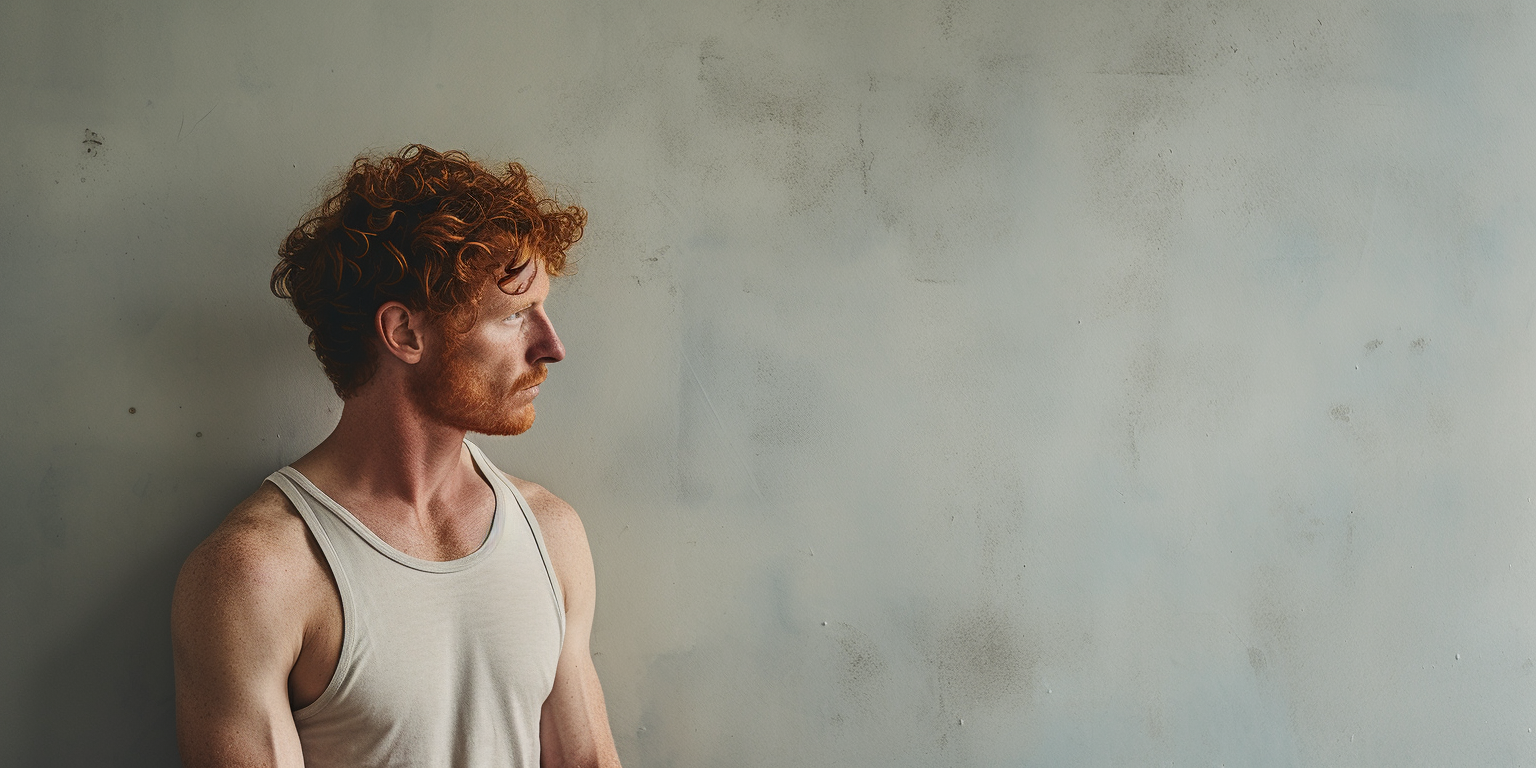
{"type": "Point", "coordinates": [485, 380]}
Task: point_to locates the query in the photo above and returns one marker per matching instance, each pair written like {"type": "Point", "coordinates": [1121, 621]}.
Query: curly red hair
{"type": "Point", "coordinates": [425, 228]}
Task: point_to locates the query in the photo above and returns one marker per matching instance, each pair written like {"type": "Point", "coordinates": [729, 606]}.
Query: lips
{"type": "Point", "coordinates": [532, 379]}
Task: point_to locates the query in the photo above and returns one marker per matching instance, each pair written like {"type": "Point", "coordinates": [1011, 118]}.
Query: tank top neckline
{"type": "Point", "coordinates": [487, 546]}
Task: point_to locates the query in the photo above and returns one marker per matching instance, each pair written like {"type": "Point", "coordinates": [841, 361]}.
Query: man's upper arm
{"type": "Point", "coordinates": [235, 636]}
{"type": "Point", "coordinates": [573, 726]}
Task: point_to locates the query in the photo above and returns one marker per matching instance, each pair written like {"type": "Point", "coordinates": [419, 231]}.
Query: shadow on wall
{"type": "Point", "coordinates": [125, 502]}
{"type": "Point", "coordinates": [105, 697]}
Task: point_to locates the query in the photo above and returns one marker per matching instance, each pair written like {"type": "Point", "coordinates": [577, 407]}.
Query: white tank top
{"type": "Point", "coordinates": [442, 663]}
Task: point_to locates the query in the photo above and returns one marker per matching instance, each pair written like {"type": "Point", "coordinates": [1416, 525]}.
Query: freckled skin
{"type": "Point", "coordinates": [256, 617]}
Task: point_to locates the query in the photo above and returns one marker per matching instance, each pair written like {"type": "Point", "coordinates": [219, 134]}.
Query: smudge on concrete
{"type": "Point", "coordinates": [93, 145]}
{"type": "Point", "coordinates": [864, 670]}
{"type": "Point", "coordinates": [1256, 660]}
{"type": "Point", "coordinates": [981, 657]}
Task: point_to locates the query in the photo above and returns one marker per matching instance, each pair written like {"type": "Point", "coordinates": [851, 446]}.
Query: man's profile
{"type": "Point", "coordinates": [391, 598]}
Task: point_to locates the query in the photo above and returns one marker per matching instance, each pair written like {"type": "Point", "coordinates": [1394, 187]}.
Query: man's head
{"type": "Point", "coordinates": [433, 244]}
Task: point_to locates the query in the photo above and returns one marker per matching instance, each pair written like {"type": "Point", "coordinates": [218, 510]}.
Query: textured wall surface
{"type": "Point", "coordinates": [958, 383]}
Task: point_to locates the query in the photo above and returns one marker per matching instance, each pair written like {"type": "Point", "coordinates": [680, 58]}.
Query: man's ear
{"type": "Point", "coordinates": [401, 331]}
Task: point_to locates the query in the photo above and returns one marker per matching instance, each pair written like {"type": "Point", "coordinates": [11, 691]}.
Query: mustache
{"type": "Point", "coordinates": [532, 378]}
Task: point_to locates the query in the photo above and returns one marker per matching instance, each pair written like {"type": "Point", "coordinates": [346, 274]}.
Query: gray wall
{"type": "Point", "coordinates": [950, 383]}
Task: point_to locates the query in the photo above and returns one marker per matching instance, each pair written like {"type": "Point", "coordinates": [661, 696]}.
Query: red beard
{"type": "Point", "coordinates": [457, 393]}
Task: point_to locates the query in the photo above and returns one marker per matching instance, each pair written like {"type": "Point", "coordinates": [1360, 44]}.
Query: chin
{"type": "Point", "coordinates": [514, 423]}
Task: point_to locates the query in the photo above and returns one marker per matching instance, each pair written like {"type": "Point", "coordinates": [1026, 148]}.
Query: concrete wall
{"type": "Point", "coordinates": [958, 383]}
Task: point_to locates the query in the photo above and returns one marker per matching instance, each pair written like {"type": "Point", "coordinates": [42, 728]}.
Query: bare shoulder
{"type": "Point", "coordinates": [556, 518]}
{"type": "Point", "coordinates": [261, 553]}
{"type": "Point", "coordinates": [565, 538]}
{"type": "Point", "coordinates": [239, 615]}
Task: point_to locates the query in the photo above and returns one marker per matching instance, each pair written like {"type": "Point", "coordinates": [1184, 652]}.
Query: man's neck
{"type": "Point", "coordinates": [386, 453]}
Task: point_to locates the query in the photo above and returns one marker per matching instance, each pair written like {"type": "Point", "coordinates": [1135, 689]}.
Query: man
{"type": "Point", "coordinates": [391, 599]}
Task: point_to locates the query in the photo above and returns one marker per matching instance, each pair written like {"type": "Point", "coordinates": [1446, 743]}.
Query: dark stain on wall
{"type": "Point", "coordinates": [760, 92]}
{"type": "Point", "coordinates": [949, 121]}
{"type": "Point", "coordinates": [863, 666]}
{"type": "Point", "coordinates": [93, 144]}
{"type": "Point", "coordinates": [1256, 660]}
{"type": "Point", "coordinates": [982, 657]}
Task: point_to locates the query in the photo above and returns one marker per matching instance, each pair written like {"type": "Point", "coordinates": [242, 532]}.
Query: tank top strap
{"type": "Point", "coordinates": [434, 651]}
{"type": "Point", "coordinates": [496, 478]}
{"type": "Point", "coordinates": [292, 484]}
{"type": "Point", "coordinates": [314, 521]}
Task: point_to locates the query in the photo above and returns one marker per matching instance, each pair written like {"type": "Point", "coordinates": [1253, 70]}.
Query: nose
{"type": "Point", "coordinates": [546, 346]}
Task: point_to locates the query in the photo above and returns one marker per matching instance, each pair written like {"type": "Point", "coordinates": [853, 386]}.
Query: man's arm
{"type": "Point", "coordinates": [235, 634]}
{"type": "Point", "coordinates": [573, 725]}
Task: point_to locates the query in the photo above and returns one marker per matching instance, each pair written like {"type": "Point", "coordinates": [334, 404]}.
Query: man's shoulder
{"type": "Point", "coordinates": [565, 538]}
{"type": "Point", "coordinates": [262, 550]}
{"type": "Point", "coordinates": [551, 510]}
